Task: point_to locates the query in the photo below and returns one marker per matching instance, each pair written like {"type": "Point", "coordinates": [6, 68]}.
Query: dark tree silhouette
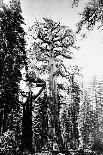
{"type": "Point", "coordinates": [27, 113]}
{"type": "Point", "coordinates": [12, 50]}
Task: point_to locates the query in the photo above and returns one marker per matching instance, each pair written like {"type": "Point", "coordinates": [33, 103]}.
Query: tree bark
{"type": "Point", "coordinates": [54, 124]}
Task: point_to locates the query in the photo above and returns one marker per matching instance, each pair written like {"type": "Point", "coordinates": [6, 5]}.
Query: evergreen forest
{"type": "Point", "coordinates": [45, 106]}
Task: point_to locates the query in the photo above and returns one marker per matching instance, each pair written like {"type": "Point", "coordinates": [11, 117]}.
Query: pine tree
{"type": "Point", "coordinates": [12, 51]}
{"type": "Point", "coordinates": [86, 115]}
{"type": "Point", "coordinates": [96, 99]}
{"type": "Point", "coordinates": [90, 120]}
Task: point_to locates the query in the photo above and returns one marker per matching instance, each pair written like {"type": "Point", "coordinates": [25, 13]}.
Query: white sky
{"type": "Point", "coordinates": [90, 55]}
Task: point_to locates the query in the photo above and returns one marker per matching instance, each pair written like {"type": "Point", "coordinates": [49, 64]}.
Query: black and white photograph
{"type": "Point", "coordinates": [51, 77]}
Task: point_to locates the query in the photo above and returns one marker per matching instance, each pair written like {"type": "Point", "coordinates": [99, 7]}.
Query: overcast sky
{"type": "Point", "coordinates": [90, 55]}
{"type": "Point", "coordinates": [55, 9]}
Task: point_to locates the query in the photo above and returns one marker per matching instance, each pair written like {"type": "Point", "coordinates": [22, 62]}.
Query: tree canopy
{"type": "Point", "coordinates": [92, 14]}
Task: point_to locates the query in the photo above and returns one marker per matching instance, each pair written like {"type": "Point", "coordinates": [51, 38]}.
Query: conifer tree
{"type": "Point", "coordinates": [12, 51]}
